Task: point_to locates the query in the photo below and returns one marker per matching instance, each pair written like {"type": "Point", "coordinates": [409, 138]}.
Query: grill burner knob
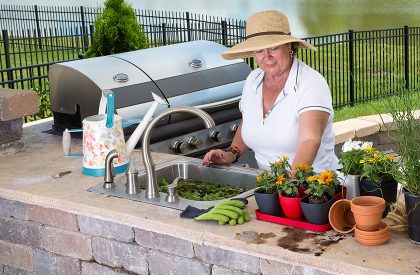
{"type": "Point", "coordinates": [178, 147]}
{"type": "Point", "coordinates": [194, 142]}
{"type": "Point", "coordinates": [216, 136]}
{"type": "Point", "coordinates": [233, 129]}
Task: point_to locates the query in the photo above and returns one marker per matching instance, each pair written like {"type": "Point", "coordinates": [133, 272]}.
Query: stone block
{"type": "Point", "coordinates": [20, 232]}
{"type": "Point", "coordinates": [10, 270]}
{"type": "Point", "coordinates": [361, 127]}
{"type": "Point", "coordinates": [54, 217]}
{"type": "Point", "coordinates": [67, 243]}
{"type": "Point", "coordinates": [220, 270]}
{"type": "Point", "coordinates": [49, 263]}
{"type": "Point", "coordinates": [342, 133]}
{"type": "Point", "coordinates": [15, 209]}
{"type": "Point", "coordinates": [227, 258]}
{"type": "Point", "coordinates": [11, 148]}
{"type": "Point", "coordinates": [95, 269]}
{"type": "Point", "coordinates": [269, 267]}
{"type": "Point", "coordinates": [16, 103]}
{"type": "Point", "coordinates": [164, 243]}
{"type": "Point", "coordinates": [106, 229]}
{"type": "Point", "coordinates": [11, 130]}
{"type": "Point", "coordinates": [16, 255]}
{"type": "Point", "coordinates": [163, 263]}
{"type": "Point", "coordinates": [131, 257]}
{"type": "Point", "coordinates": [1, 269]}
{"type": "Point", "coordinates": [385, 121]}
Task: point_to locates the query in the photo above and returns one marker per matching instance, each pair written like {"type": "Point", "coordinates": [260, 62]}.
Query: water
{"type": "Point", "coordinates": [307, 17]}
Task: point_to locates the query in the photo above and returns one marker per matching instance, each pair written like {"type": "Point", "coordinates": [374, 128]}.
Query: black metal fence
{"type": "Point", "coordinates": [358, 65]}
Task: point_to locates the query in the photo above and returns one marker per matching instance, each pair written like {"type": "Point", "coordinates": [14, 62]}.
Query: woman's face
{"type": "Point", "coordinates": [273, 61]}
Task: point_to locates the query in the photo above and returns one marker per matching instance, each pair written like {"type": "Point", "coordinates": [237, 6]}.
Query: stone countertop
{"type": "Point", "coordinates": [28, 176]}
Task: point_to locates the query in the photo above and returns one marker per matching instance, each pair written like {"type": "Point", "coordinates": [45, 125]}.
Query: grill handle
{"type": "Point", "coordinates": [219, 103]}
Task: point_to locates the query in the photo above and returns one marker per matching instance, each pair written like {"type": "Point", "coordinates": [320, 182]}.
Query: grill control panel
{"type": "Point", "coordinates": [199, 142]}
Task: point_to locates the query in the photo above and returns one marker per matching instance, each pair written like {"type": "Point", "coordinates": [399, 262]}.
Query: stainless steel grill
{"type": "Point", "coordinates": [191, 73]}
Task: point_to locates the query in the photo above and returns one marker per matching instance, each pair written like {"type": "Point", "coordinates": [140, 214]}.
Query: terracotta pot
{"type": "Point", "coordinates": [373, 242]}
{"type": "Point", "coordinates": [386, 190]}
{"type": "Point", "coordinates": [341, 218]}
{"type": "Point", "coordinates": [291, 207]}
{"type": "Point", "coordinates": [381, 233]}
{"type": "Point", "coordinates": [367, 211]}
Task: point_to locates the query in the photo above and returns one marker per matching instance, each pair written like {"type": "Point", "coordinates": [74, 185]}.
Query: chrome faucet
{"type": "Point", "coordinates": [152, 185]}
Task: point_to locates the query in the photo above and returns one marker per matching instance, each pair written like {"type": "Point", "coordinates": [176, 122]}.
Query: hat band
{"type": "Point", "coordinates": [266, 33]}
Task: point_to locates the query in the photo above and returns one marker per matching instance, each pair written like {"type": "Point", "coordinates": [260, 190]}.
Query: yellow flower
{"type": "Point", "coordinates": [371, 160]}
{"type": "Point", "coordinates": [390, 157]}
{"type": "Point", "coordinates": [280, 180]}
{"type": "Point", "coordinates": [258, 178]}
{"type": "Point", "coordinates": [369, 149]}
{"type": "Point", "coordinates": [312, 178]}
{"type": "Point", "coordinates": [303, 166]}
{"type": "Point", "coordinates": [362, 161]}
{"type": "Point", "coordinates": [321, 180]}
{"type": "Point", "coordinates": [285, 158]}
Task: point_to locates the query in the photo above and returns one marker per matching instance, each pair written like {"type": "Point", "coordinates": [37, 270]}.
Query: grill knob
{"type": "Point", "coordinates": [194, 142]}
{"type": "Point", "coordinates": [216, 136]}
{"type": "Point", "coordinates": [178, 147]}
{"type": "Point", "coordinates": [233, 129]}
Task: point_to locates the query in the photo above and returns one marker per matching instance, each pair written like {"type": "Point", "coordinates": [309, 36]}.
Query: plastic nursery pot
{"type": "Point", "coordinates": [268, 203]}
{"type": "Point", "coordinates": [367, 211]}
{"type": "Point", "coordinates": [386, 190]}
{"type": "Point", "coordinates": [341, 218]}
{"type": "Point", "coordinates": [291, 208]}
{"type": "Point", "coordinates": [412, 205]}
{"type": "Point", "coordinates": [316, 213]}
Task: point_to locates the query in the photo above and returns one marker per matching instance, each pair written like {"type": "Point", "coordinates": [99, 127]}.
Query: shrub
{"type": "Point", "coordinates": [116, 30]}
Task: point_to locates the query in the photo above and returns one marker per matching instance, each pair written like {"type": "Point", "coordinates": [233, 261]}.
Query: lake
{"type": "Point", "coordinates": [307, 17]}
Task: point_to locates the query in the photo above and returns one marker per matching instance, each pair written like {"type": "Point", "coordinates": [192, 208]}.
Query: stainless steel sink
{"type": "Point", "coordinates": [235, 176]}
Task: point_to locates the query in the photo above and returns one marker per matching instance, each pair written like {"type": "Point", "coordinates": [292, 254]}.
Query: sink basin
{"type": "Point", "coordinates": [235, 176]}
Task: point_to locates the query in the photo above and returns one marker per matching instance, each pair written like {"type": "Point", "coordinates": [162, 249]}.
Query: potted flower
{"type": "Point", "coordinates": [287, 189]}
{"type": "Point", "coordinates": [303, 171]}
{"type": "Point", "coordinates": [321, 192]}
{"type": "Point", "coordinates": [352, 153]}
{"type": "Point", "coordinates": [266, 194]}
{"type": "Point", "coordinates": [407, 124]}
{"type": "Point", "coordinates": [377, 176]}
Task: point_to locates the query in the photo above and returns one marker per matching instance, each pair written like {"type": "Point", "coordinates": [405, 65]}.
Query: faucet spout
{"type": "Point", "coordinates": [152, 184]}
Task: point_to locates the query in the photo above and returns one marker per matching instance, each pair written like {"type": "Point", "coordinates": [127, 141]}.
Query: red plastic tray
{"type": "Point", "coordinates": [285, 221]}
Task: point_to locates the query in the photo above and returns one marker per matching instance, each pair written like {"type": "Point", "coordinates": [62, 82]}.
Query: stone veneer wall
{"type": "Point", "coordinates": [37, 240]}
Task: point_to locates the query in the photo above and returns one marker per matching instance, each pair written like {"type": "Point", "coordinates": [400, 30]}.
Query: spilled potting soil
{"type": "Point", "coordinates": [254, 237]}
{"type": "Point", "coordinates": [298, 240]}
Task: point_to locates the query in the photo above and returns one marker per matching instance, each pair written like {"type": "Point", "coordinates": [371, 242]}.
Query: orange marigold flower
{"type": "Point", "coordinates": [280, 180]}
{"type": "Point", "coordinates": [312, 178]}
{"type": "Point", "coordinates": [326, 174]}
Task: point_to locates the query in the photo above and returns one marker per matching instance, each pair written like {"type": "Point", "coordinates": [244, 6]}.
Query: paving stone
{"type": "Point", "coordinates": [1, 269]}
{"type": "Point", "coordinates": [16, 103]}
{"type": "Point", "coordinates": [67, 243]}
{"type": "Point", "coordinates": [164, 243]}
{"type": "Point", "coordinates": [49, 263]}
{"type": "Point", "coordinates": [16, 255]}
{"type": "Point", "coordinates": [11, 130]}
{"type": "Point", "coordinates": [163, 263]}
{"type": "Point", "coordinates": [96, 269]}
{"type": "Point", "coordinates": [10, 270]}
{"type": "Point", "coordinates": [220, 270]}
{"type": "Point", "coordinates": [311, 271]}
{"type": "Point", "coordinates": [227, 258]}
{"type": "Point", "coordinates": [131, 257]}
{"type": "Point", "coordinates": [106, 229]}
{"type": "Point", "coordinates": [11, 148]}
{"type": "Point", "coordinates": [16, 209]}
{"type": "Point", "coordinates": [20, 232]}
{"type": "Point", "coordinates": [269, 267]}
{"type": "Point", "coordinates": [54, 217]}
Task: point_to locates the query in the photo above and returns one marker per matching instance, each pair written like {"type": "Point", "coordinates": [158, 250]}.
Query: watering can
{"type": "Point", "coordinates": [103, 133]}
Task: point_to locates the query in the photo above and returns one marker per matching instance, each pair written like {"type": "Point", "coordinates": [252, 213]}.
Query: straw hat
{"type": "Point", "coordinates": [264, 30]}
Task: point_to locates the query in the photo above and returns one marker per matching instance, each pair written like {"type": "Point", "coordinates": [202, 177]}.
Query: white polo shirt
{"type": "Point", "coordinates": [277, 134]}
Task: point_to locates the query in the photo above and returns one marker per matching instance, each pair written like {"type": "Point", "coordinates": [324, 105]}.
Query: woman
{"type": "Point", "coordinates": [286, 105]}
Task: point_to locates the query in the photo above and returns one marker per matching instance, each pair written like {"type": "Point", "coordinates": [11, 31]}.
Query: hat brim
{"type": "Point", "coordinates": [247, 47]}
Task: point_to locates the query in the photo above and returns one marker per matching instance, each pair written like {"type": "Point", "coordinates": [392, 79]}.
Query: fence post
{"type": "Point", "coordinates": [224, 32]}
{"type": "Point", "coordinates": [84, 30]}
{"type": "Point", "coordinates": [7, 55]}
{"type": "Point", "coordinates": [406, 57]}
{"type": "Point", "coordinates": [188, 26]}
{"type": "Point", "coordinates": [38, 28]}
{"type": "Point", "coordinates": [351, 66]}
{"type": "Point", "coordinates": [164, 33]}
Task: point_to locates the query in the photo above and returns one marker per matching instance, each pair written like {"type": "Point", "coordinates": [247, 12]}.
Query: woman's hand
{"type": "Point", "coordinates": [218, 156]}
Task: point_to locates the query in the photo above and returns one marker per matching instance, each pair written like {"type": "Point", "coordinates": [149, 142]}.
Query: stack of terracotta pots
{"type": "Point", "coordinates": [363, 216]}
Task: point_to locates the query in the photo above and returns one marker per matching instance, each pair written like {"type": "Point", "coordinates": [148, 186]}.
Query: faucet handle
{"type": "Point", "coordinates": [132, 185]}
{"type": "Point", "coordinates": [109, 169]}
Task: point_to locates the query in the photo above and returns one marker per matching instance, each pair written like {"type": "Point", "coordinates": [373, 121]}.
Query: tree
{"type": "Point", "coordinates": [116, 30]}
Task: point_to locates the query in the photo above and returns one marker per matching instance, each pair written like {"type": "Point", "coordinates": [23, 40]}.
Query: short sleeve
{"type": "Point", "coordinates": [314, 94]}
